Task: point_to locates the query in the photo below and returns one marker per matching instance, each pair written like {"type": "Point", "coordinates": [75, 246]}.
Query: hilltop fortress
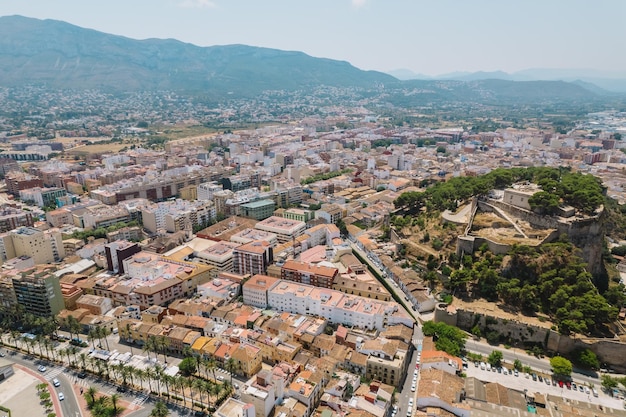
{"type": "Point", "coordinates": [504, 219]}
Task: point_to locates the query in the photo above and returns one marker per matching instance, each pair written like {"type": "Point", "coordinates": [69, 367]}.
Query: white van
{"type": "Point", "coordinates": [489, 367]}
{"type": "Point", "coordinates": [482, 366]}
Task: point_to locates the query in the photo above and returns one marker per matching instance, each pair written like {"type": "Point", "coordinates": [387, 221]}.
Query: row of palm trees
{"type": "Point", "coordinates": [194, 388]}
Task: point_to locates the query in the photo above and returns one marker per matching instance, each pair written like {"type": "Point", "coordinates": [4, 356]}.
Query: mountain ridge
{"type": "Point", "coordinates": [60, 55]}
{"type": "Point", "coordinates": [597, 81]}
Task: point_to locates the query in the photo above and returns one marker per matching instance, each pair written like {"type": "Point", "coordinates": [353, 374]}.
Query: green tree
{"type": "Point", "coordinates": [586, 358]}
{"type": "Point", "coordinates": [517, 364]}
{"type": "Point", "coordinates": [561, 366]}
{"type": "Point", "coordinates": [544, 202]}
{"type": "Point", "coordinates": [188, 366]}
{"type": "Point", "coordinates": [608, 383]}
{"type": "Point", "coordinates": [159, 410]}
{"type": "Point", "coordinates": [495, 358]}
{"type": "Point", "coordinates": [447, 338]}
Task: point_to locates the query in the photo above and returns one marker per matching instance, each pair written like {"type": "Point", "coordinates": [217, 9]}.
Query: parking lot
{"type": "Point", "coordinates": [525, 382]}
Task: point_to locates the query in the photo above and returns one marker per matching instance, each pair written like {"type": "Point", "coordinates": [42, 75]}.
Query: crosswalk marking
{"type": "Point", "coordinates": [140, 399]}
{"type": "Point", "coordinates": [50, 375]}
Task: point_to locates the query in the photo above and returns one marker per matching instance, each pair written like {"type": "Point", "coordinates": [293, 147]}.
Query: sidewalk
{"type": "Point", "coordinates": [53, 396]}
{"type": "Point", "coordinates": [82, 402]}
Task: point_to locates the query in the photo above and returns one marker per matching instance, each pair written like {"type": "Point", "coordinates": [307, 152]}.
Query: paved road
{"type": "Point", "coordinates": [390, 282]}
{"type": "Point", "coordinates": [522, 383]}
{"type": "Point", "coordinates": [69, 406]}
{"type": "Point", "coordinates": [541, 365]}
{"type": "Point", "coordinates": [405, 393]}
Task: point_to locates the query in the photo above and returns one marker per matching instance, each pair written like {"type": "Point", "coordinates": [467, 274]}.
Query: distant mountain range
{"type": "Point", "coordinates": [595, 80]}
{"type": "Point", "coordinates": [63, 56]}
{"type": "Point", "coordinates": [66, 56]}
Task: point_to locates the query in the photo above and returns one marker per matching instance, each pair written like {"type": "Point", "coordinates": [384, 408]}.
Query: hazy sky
{"type": "Point", "coordinates": [426, 36]}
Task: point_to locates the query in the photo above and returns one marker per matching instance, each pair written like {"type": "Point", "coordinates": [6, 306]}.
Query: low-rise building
{"type": "Point", "coordinates": [316, 275]}
{"type": "Point", "coordinates": [94, 304]}
{"type": "Point", "coordinates": [285, 229]}
{"type": "Point", "coordinates": [255, 290]}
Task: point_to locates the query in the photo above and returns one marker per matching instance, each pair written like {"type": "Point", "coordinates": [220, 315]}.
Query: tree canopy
{"type": "Point", "coordinates": [549, 279]}
{"type": "Point", "coordinates": [447, 338]}
{"type": "Point", "coordinates": [561, 366]}
{"type": "Point", "coordinates": [586, 358]}
{"type": "Point", "coordinates": [584, 192]}
{"type": "Point", "coordinates": [495, 358]}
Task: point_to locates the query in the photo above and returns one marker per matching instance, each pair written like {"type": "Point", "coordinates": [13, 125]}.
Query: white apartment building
{"type": "Point", "coordinates": [332, 305]}
{"type": "Point", "coordinates": [219, 255]}
{"type": "Point", "coordinates": [173, 216]}
{"type": "Point", "coordinates": [256, 288]}
{"type": "Point", "coordinates": [285, 229]}
{"type": "Point", "coordinates": [207, 189]}
{"type": "Point", "coordinates": [252, 235]}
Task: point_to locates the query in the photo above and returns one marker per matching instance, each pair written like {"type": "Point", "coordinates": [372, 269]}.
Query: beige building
{"type": "Point", "coordinates": [285, 229]}
{"type": "Point", "coordinates": [94, 304]}
{"type": "Point", "coordinates": [44, 247]}
{"type": "Point", "coordinates": [255, 290]}
{"type": "Point", "coordinates": [386, 361]}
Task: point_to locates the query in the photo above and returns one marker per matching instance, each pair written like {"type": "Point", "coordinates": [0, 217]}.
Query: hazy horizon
{"type": "Point", "coordinates": [425, 37]}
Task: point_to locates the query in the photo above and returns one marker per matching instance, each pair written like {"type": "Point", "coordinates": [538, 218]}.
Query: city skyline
{"type": "Point", "coordinates": [431, 38]}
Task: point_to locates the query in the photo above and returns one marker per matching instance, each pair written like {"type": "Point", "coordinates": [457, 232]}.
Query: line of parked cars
{"type": "Point", "coordinates": [569, 385]}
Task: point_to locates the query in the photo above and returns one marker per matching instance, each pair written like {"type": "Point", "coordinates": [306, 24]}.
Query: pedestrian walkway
{"type": "Point", "coordinates": [139, 400]}
{"type": "Point", "coordinates": [53, 373]}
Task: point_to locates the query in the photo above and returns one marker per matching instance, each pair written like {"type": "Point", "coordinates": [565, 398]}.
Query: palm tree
{"type": "Point", "coordinates": [159, 410]}
{"type": "Point", "coordinates": [151, 345]}
{"type": "Point", "coordinates": [15, 335]}
{"type": "Point", "coordinates": [73, 350]}
{"type": "Point", "coordinates": [90, 395]}
{"type": "Point", "coordinates": [199, 385]}
{"type": "Point", "coordinates": [127, 372]}
{"type": "Point", "coordinates": [114, 399]}
{"type": "Point", "coordinates": [99, 367]}
{"type": "Point", "coordinates": [91, 336]}
{"type": "Point", "coordinates": [231, 364]}
{"type": "Point", "coordinates": [92, 363]}
{"type": "Point", "coordinates": [150, 375]}
{"type": "Point", "coordinates": [115, 368]}
{"type": "Point", "coordinates": [180, 384]}
{"type": "Point", "coordinates": [209, 386]}
{"type": "Point", "coordinates": [48, 345]}
{"type": "Point", "coordinates": [103, 332]}
{"type": "Point", "coordinates": [168, 380]}
{"type": "Point", "coordinates": [226, 387]}
{"type": "Point", "coordinates": [73, 326]}
{"type": "Point", "coordinates": [140, 374]}
{"type": "Point", "coordinates": [128, 340]}
{"type": "Point", "coordinates": [163, 343]}
{"type": "Point", "coordinates": [211, 365]}
{"type": "Point", "coordinates": [39, 341]}
{"type": "Point", "coordinates": [83, 360]}
{"type": "Point", "coordinates": [106, 367]}
{"type": "Point", "coordinates": [217, 390]}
